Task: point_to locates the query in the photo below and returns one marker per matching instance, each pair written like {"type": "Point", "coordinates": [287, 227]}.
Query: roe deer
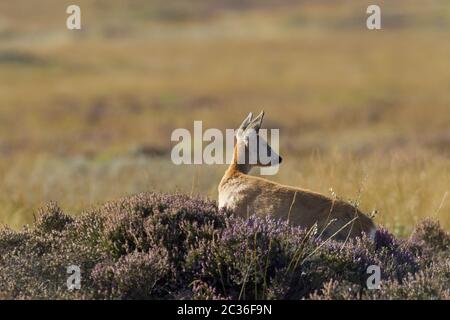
{"type": "Point", "coordinates": [244, 194]}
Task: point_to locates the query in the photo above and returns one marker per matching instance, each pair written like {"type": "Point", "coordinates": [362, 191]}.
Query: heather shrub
{"type": "Point", "coordinates": [246, 255]}
{"type": "Point", "coordinates": [202, 291]}
{"type": "Point", "coordinates": [171, 221]}
{"type": "Point", "coordinates": [11, 240]}
{"type": "Point", "coordinates": [395, 257]}
{"type": "Point", "coordinates": [138, 275]}
{"type": "Point", "coordinates": [431, 236]}
{"type": "Point", "coordinates": [431, 283]}
{"type": "Point", "coordinates": [52, 218]}
{"type": "Point", "coordinates": [161, 246]}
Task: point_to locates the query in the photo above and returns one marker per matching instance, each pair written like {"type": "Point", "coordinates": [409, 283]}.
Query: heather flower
{"type": "Point", "coordinates": [162, 246]}
{"type": "Point", "coordinates": [430, 233]}
{"type": "Point", "coordinates": [136, 275]}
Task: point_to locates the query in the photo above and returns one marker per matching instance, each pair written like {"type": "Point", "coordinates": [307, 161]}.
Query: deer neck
{"type": "Point", "coordinates": [235, 169]}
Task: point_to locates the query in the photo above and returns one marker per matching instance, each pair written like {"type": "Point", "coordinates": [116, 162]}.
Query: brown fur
{"type": "Point", "coordinates": [244, 194]}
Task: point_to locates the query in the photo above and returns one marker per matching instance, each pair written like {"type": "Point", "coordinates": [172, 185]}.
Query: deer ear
{"type": "Point", "coordinates": [257, 122]}
{"type": "Point", "coordinates": [246, 122]}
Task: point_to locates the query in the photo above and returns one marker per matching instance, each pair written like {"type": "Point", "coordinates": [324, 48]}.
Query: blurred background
{"type": "Point", "coordinates": [86, 116]}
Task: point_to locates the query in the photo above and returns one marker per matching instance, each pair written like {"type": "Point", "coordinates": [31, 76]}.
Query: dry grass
{"type": "Point", "coordinates": [86, 117]}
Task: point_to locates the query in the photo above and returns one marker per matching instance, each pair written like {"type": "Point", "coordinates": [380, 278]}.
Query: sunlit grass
{"type": "Point", "coordinates": [365, 113]}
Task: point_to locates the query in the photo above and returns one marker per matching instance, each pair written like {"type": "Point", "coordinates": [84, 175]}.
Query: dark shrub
{"type": "Point", "coordinates": [159, 246]}
{"type": "Point", "coordinates": [431, 235]}
{"type": "Point", "coordinates": [51, 218]}
{"type": "Point", "coordinates": [137, 275]}
{"type": "Point", "coordinates": [246, 255]}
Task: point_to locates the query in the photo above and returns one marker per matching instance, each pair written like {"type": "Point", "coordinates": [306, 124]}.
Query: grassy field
{"type": "Point", "coordinates": [86, 116]}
